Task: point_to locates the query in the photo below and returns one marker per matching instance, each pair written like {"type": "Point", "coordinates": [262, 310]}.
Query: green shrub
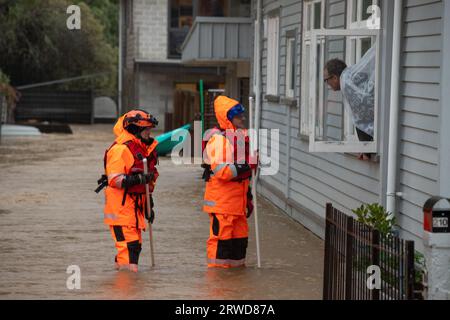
{"type": "Point", "coordinates": [4, 79]}
{"type": "Point", "coordinates": [375, 216]}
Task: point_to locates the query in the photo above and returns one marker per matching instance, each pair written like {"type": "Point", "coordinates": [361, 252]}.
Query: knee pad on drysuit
{"type": "Point", "coordinates": [134, 250]}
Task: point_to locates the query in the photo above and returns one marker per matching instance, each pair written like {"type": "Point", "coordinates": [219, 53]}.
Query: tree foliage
{"type": "Point", "coordinates": [4, 79]}
{"type": "Point", "coordinates": [37, 46]}
{"type": "Point", "coordinates": [107, 12]}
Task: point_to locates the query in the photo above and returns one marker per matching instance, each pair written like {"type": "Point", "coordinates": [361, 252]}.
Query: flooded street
{"type": "Point", "coordinates": [50, 218]}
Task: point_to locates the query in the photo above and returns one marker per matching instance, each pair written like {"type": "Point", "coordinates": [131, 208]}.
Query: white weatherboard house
{"type": "Point", "coordinates": [318, 146]}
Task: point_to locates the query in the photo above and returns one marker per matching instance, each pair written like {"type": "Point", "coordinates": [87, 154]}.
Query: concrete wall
{"type": "Point", "coordinates": [156, 93]}
{"type": "Point", "coordinates": [150, 27]}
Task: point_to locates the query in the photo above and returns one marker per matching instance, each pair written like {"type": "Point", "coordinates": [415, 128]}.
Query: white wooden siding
{"type": "Point", "coordinates": [313, 179]}
{"type": "Point", "coordinates": [420, 111]}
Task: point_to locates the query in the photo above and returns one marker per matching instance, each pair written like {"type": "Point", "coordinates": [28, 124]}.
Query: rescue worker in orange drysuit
{"type": "Point", "coordinates": [228, 201]}
{"type": "Point", "coordinates": [125, 208]}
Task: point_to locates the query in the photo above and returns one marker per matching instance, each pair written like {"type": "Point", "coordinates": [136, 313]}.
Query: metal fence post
{"type": "Point", "coordinates": [326, 263]}
{"type": "Point", "coordinates": [349, 259]}
{"type": "Point", "coordinates": [410, 274]}
{"type": "Point", "coordinates": [351, 247]}
{"type": "Point", "coordinates": [375, 258]}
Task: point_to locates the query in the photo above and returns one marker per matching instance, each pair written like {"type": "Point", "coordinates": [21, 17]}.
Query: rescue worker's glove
{"type": "Point", "coordinates": [152, 212]}
{"type": "Point", "coordinates": [243, 172]}
{"type": "Point", "coordinates": [136, 179]}
{"type": "Point", "coordinates": [206, 172]}
{"type": "Point", "coordinates": [250, 206]}
{"type": "Point", "coordinates": [152, 217]}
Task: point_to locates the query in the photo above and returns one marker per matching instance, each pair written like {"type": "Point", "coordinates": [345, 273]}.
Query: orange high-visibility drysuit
{"type": "Point", "coordinates": [125, 209]}
{"type": "Point", "coordinates": [226, 193]}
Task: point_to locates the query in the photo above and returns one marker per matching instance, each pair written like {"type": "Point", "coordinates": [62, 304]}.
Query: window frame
{"type": "Point", "coordinates": [255, 54]}
{"type": "Point", "coordinates": [290, 73]}
{"type": "Point", "coordinates": [343, 146]}
{"type": "Point", "coordinates": [273, 53]}
{"type": "Point", "coordinates": [308, 19]}
{"type": "Point", "coordinates": [349, 129]}
{"type": "Point", "coordinates": [359, 23]}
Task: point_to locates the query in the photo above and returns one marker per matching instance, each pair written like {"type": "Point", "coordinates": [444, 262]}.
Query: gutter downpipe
{"type": "Point", "coordinates": [394, 111]}
{"type": "Point", "coordinates": [258, 72]}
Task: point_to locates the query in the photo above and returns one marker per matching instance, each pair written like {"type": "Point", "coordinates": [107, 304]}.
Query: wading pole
{"type": "Point", "coordinates": [253, 143]}
{"type": "Point", "coordinates": [149, 210]}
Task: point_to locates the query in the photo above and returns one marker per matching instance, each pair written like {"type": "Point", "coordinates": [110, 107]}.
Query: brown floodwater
{"type": "Point", "coordinates": [50, 218]}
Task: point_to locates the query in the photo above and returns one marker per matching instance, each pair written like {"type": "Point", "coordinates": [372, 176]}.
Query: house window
{"type": "Point", "coordinates": [361, 12]}
{"type": "Point", "coordinates": [330, 119]}
{"type": "Point", "coordinates": [331, 135]}
{"type": "Point", "coordinates": [357, 47]}
{"type": "Point", "coordinates": [313, 19]}
{"type": "Point", "coordinates": [213, 8]}
{"type": "Point", "coordinates": [181, 19]}
{"type": "Point", "coordinates": [358, 16]}
{"type": "Point", "coordinates": [255, 54]}
{"type": "Point", "coordinates": [290, 66]}
{"type": "Point", "coordinates": [272, 55]}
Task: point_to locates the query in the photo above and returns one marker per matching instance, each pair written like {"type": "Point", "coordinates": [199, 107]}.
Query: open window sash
{"type": "Point", "coordinates": [318, 145]}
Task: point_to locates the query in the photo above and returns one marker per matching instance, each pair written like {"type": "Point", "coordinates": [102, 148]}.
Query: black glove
{"type": "Point", "coordinates": [243, 172]}
{"type": "Point", "coordinates": [152, 216]}
{"type": "Point", "coordinates": [250, 206]}
{"type": "Point", "coordinates": [136, 179]}
{"type": "Point", "coordinates": [206, 172]}
{"type": "Point", "coordinates": [152, 212]}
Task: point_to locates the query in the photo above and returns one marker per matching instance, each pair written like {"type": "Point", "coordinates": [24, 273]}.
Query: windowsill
{"type": "Point", "coordinates": [375, 158]}
{"type": "Point", "coordinates": [289, 101]}
{"type": "Point", "coordinates": [272, 98]}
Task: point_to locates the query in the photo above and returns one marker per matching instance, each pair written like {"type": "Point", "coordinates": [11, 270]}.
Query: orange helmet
{"type": "Point", "coordinates": [139, 118]}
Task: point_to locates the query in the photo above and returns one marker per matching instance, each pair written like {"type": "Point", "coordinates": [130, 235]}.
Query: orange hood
{"type": "Point", "coordinates": [123, 135]}
{"type": "Point", "coordinates": [222, 105]}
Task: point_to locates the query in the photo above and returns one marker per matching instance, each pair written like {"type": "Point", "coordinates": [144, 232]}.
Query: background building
{"type": "Point", "coordinates": [168, 46]}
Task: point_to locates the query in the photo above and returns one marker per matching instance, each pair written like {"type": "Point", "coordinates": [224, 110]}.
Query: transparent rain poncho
{"type": "Point", "coordinates": [358, 88]}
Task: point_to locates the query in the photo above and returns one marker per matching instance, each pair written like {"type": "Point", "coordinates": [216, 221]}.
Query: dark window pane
{"type": "Point", "coordinates": [176, 39]}
{"type": "Point", "coordinates": [186, 11]}
{"type": "Point", "coordinates": [181, 15]}
{"type": "Point", "coordinates": [366, 44]}
{"type": "Point", "coordinates": [213, 8]}
{"type": "Point", "coordinates": [354, 10]}
{"type": "Point", "coordinates": [292, 65]}
{"type": "Point", "coordinates": [318, 70]}
{"type": "Point", "coordinates": [365, 6]}
{"type": "Point", "coordinates": [317, 15]}
{"type": "Point", "coordinates": [308, 18]}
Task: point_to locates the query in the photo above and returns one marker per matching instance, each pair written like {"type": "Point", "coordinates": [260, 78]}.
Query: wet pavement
{"type": "Point", "coordinates": [50, 218]}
